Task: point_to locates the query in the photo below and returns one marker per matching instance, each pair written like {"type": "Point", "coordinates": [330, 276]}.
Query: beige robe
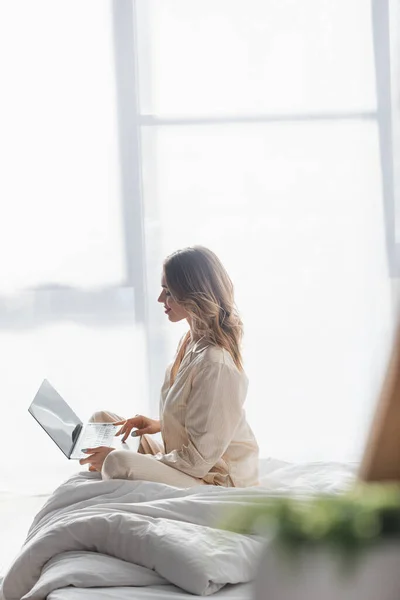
{"type": "Point", "coordinates": [203, 423]}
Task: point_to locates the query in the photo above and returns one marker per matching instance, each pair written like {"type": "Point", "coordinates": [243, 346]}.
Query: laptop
{"type": "Point", "coordinates": [64, 427]}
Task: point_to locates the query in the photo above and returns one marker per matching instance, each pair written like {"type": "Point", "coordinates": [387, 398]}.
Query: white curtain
{"type": "Point", "coordinates": [258, 137]}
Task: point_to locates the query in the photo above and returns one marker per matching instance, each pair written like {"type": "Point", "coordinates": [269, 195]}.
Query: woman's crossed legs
{"type": "Point", "coordinates": [141, 465]}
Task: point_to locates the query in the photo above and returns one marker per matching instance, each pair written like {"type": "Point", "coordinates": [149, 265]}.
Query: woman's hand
{"type": "Point", "coordinates": [141, 424]}
{"type": "Point", "coordinates": [96, 458]}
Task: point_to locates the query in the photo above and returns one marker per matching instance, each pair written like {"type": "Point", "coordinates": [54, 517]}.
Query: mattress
{"type": "Point", "coordinates": [165, 592]}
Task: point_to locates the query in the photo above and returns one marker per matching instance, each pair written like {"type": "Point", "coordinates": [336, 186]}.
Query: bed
{"type": "Point", "coordinates": [80, 543]}
{"type": "Point", "coordinates": [168, 592]}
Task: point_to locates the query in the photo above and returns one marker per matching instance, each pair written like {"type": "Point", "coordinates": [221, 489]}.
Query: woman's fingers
{"type": "Point", "coordinates": [139, 432]}
{"type": "Point", "coordinates": [89, 459]}
{"type": "Point", "coordinates": [97, 456]}
{"type": "Point", "coordinates": [123, 428]}
{"type": "Point", "coordinates": [127, 432]}
{"type": "Point", "coordinates": [119, 422]}
{"type": "Point", "coordinates": [125, 425]}
{"type": "Point", "coordinates": [93, 452]}
{"type": "Point", "coordinates": [129, 425]}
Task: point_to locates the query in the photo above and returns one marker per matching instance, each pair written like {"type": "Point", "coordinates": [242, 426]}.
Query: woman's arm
{"type": "Point", "coordinates": [214, 410]}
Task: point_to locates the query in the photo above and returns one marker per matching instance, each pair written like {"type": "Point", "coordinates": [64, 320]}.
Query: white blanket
{"type": "Point", "coordinates": [94, 533]}
{"type": "Point", "coordinates": [109, 533]}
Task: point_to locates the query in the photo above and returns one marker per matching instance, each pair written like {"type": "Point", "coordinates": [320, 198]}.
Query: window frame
{"type": "Point", "coordinates": [130, 124]}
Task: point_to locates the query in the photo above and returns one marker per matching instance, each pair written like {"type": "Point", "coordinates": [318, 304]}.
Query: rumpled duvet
{"type": "Point", "coordinates": [94, 533]}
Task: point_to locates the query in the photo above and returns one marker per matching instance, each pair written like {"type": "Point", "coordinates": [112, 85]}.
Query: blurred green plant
{"type": "Point", "coordinates": [346, 523]}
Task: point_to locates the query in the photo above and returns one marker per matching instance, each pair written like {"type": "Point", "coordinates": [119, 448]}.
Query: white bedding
{"type": "Point", "coordinates": [241, 591]}
{"type": "Point", "coordinates": [99, 534]}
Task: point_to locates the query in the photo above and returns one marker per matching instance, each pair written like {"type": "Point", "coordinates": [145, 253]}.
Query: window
{"type": "Point", "coordinates": [69, 301]}
{"type": "Point", "coordinates": [261, 137]}
{"type": "Point", "coordinates": [144, 126]}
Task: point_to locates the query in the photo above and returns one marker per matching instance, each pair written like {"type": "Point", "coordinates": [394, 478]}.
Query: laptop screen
{"type": "Point", "coordinates": [56, 417]}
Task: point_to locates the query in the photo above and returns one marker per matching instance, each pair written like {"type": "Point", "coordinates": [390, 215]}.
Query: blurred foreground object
{"type": "Point", "coordinates": [328, 547]}
{"type": "Point", "coordinates": [381, 460]}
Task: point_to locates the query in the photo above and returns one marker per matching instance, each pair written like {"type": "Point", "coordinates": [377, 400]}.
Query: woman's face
{"type": "Point", "coordinates": [174, 311]}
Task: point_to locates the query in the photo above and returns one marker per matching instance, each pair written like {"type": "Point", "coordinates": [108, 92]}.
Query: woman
{"type": "Point", "coordinates": [206, 437]}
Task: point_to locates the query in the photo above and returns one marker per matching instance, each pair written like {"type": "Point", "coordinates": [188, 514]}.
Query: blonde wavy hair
{"type": "Point", "coordinates": [198, 281]}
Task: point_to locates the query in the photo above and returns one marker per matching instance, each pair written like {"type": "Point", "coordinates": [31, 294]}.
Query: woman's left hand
{"type": "Point", "coordinates": [96, 458]}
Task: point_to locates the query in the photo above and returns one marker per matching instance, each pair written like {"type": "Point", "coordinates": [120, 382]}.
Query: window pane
{"type": "Point", "coordinates": [258, 56]}
{"type": "Point", "coordinates": [60, 215]}
{"type": "Point", "coordinates": [395, 105]}
{"type": "Point", "coordinates": [295, 211]}
{"type": "Point", "coordinates": [95, 365]}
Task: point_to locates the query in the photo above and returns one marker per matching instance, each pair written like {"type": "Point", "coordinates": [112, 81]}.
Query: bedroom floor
{"type": "Point", "coordinates": [20, 500]}
{"type": "Point", "coordinates": [16, 516]}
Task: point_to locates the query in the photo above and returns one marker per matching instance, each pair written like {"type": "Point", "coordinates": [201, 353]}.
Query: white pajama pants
{"type": "Point", "coordinates": [141, 465]}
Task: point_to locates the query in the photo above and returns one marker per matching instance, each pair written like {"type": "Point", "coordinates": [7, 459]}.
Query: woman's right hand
{"type": "Point", "coordinates": [141, 424]}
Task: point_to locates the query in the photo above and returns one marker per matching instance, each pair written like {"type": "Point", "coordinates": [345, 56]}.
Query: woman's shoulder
{"type": "Point", "coordinates": [207, 354]}
{"type": "Point", "coordinates": [217, 354]}
{"type": "Point", "coordinates": [215, 365]}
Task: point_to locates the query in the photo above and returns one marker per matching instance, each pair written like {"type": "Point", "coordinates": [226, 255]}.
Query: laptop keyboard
{"type": "Point", "coordinates": [97, 434]}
